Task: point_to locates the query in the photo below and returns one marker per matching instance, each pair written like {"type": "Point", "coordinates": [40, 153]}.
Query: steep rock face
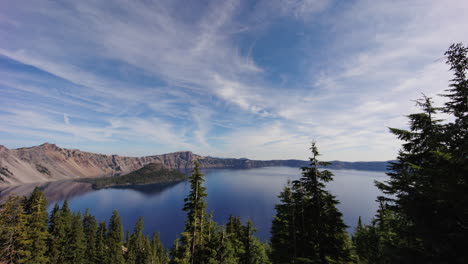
{"type": "Point", "coordinates": [49, 162]}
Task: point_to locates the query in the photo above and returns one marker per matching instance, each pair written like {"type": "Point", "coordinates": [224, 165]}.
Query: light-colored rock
{"type": "Point", "coordinates": [49, 162]}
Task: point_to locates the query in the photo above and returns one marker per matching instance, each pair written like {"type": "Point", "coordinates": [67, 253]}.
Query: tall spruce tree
{"type": "Point", "coordinates": [115, 239]}
{"type": "Point", "coordinates": [57, 236]}
{"type": "Point", "coordinates": [427, 187]}
{"type": "Point", "coordinates": [158, 253]}
{"type": "Point", "coordinates": [139, 248]}
{"type": "Point", "coordinates": [34, 239]}
{"type": "Point", "coordinates": [76, 241]}
{"type": "Point", "coordinates": [90, 229]}
{"type": "Point", "coordinates": [308, 222]}
{"type": "Point", "coordinates": [12, 223]}
{"type": "Point", "coordinates": [193, 238]}
{"type": "Point", "coordinates": [102, 252]}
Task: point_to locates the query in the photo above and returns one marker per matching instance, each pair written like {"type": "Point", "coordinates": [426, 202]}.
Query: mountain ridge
{"type": "Point", "coordinates": [49, 162]}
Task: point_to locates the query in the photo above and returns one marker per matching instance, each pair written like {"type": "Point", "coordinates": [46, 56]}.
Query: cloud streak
{"type": "Point", "coordinates": [169, 75]}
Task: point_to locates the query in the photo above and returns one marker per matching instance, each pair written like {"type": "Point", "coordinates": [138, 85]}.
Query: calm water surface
{"type": "Point", "coordinates": [250, 193]}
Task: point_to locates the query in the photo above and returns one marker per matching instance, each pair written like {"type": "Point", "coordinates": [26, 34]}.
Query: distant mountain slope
{"type": "Point", "coordinates": [49, 162]}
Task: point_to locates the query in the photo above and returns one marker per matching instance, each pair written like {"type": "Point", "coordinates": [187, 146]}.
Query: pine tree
{"type": "Point", "coordinates": [57, 236]}
{"type": "Point", "coordinates": [139, 248]}
{"type": "Point", "coordinates": [34, 239]}
{"type": "Point", "coordinates": [283, 229]}
{"type": "Point", "coordinates": [114, 239]}
{"type": "Point", "coordinates": [427, 187]}
{"type": "Point", "coordinates": [12, 223]}
{"type": "Point", "coordinates": [76, 241]}
{"type": "Point", "coordinates": [308, 222]}
{"type": "Point", "coordinates": [102, 253]}
{"type": "Point", "coordinates": [255, 251]}
{"type": "Point", "coordinates": [193, 238]}
{"type": "Point", "coordinates": [90, 229]}
{"type": "Point", "coordinates": [158, 255]}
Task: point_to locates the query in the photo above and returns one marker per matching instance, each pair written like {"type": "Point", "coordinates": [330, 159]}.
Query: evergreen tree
{"type": "Point", "coordinates": [283, 229]}
{"type": "Point", "coordinates": [114, 239]}
{"type": "Point", "coordinates": [427, 188]}
{"type": "Point", "coordinates": [76, 241]}
{"type": "Point", "coordinates": [158, 253]}
{"type": "Point", "coordinates": [255, 251]}
{"type": "Point", "coordinates": [90, 229]}
{"type": "Point", "coordinates": [57, 236]}
{"type": "Point", "coordinates": [102, 255]}
{"type": "Point", "coordinates": [139, 248]}
{"type": "Point", "coordinates": [12, 223]}
{"type": "Point", "coordinates": [308, 222]}
{"type": "Point", "coordinates": [193, 238]}
{"type": "Point", "coordinates": [33, 241]}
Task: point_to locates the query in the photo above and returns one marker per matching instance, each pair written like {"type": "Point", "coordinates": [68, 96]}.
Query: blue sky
{"type": "Point", "coordinates": [256, 79]}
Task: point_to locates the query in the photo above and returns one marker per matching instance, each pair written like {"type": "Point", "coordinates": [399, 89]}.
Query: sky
{"type": "Point", "coordinates": [255, 79]}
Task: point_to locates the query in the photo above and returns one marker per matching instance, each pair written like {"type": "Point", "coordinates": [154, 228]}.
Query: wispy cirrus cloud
{"type": "Point", "coordinates": [232, 78]}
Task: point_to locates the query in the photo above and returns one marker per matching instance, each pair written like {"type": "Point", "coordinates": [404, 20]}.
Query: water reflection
{"type": "Point", "coordinates": [54, 191]}
{"type": "Point", "coordinates": [248, 193]}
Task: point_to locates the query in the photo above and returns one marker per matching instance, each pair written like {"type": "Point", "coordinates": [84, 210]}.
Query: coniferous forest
{"type": "Point", "coordinates": [422, 215]}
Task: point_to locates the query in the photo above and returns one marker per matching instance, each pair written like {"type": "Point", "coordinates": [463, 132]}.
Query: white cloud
{"type": "Point", "coordinates": [387, 53]}
{"type": "Point", "coordinates": [66, 119]}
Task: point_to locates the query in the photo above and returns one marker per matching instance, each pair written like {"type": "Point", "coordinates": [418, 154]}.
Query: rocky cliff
{"type": "Point", "coordinates": [49, 162]}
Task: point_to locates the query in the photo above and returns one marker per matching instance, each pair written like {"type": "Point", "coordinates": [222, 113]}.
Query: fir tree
{"type": "Point", "coordinates": [114, 239]}
{"type": "Point", "coordinates": [90, 229]}
{"type": "Point", "coordinates": [158, 253]}
{"type": "Point", "coordinates": [427, 187]}
{"type": "Point", "coordinates": [139, 248]}
{"type": "Point", "coordinates": [283, 229]}
{"type": "Point", "coordinates": [193, 238]}
{"type": "Point", "coordinates": [76, 241]}
{"type": "Point", "coordinates": [57, 236]}
{"type": "Point", "coordinates": [102, 255]}
{"type": "Point", "coordinates": [308, 222]}
{"type": "Point", "coordinates": [12, 223]}
{"type": "Point", "coordinates": [34, 239]}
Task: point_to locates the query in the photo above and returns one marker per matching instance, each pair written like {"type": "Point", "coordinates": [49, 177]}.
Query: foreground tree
{"type": "Point", "coordinates": [33, 238]}
{"type": "Point", "coordinates": [12, 223]}
{"type": "Point", "coordinates": [308, 228]}
{"type": "Point", "coordinates": [115, 239]}
{"type": "Point", "coordinates": [426, 192]}
{"type": "Point", "coordinates": [193, 238]}
{"type": "Point", "coordinates": [90, 229]}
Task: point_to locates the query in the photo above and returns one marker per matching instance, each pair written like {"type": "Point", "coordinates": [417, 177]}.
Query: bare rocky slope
{"type": "Point", "coordinates": [48, 162]}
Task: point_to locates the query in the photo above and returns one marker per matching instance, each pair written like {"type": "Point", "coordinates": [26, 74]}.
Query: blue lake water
{"type": "Point", "coordinates": [248, 193]}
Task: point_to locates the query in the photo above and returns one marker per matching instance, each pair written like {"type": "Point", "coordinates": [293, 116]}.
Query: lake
{"type": "Point", "coordinates": [248, 193]}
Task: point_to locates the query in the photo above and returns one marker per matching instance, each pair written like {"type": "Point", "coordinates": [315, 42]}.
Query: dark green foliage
{"type": "Point", "coordinates": [76, 241]}
{"type": "Point", "coordinates": [90, 229]}
{"type": "Point", "coordinates": [33, 243]}
{"type": "Point", "coordinates": [158, 252]}
{"type": "Point", "coordinates": [427, 201]}
{"type": "Point", "coordinates": [373, 243]}
{"type": "Point", "coordinates": [114, 239]}
{"type": "Point", "coordinates": [29, 235]}
{"type": "Point", "coordinates": [308, 227]}
{"type": "Point", "coordinates": [12, 222]}
{"type": "Point", "coordinates": [139, 247]}
{"type": "Point", "coordinates": [151, 173]}
{"type": "Point", "coordinates": [203, 241]}
{"type": "Point", "coordinates": [193, 238]}
{"type": "Point", "coordinates": [58, 228]}
{"type": "Point", "coordinates": [102, 255]}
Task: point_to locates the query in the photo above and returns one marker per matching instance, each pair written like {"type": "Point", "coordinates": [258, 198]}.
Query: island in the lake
{"type": "Point", "coordinates": [150, 174]}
